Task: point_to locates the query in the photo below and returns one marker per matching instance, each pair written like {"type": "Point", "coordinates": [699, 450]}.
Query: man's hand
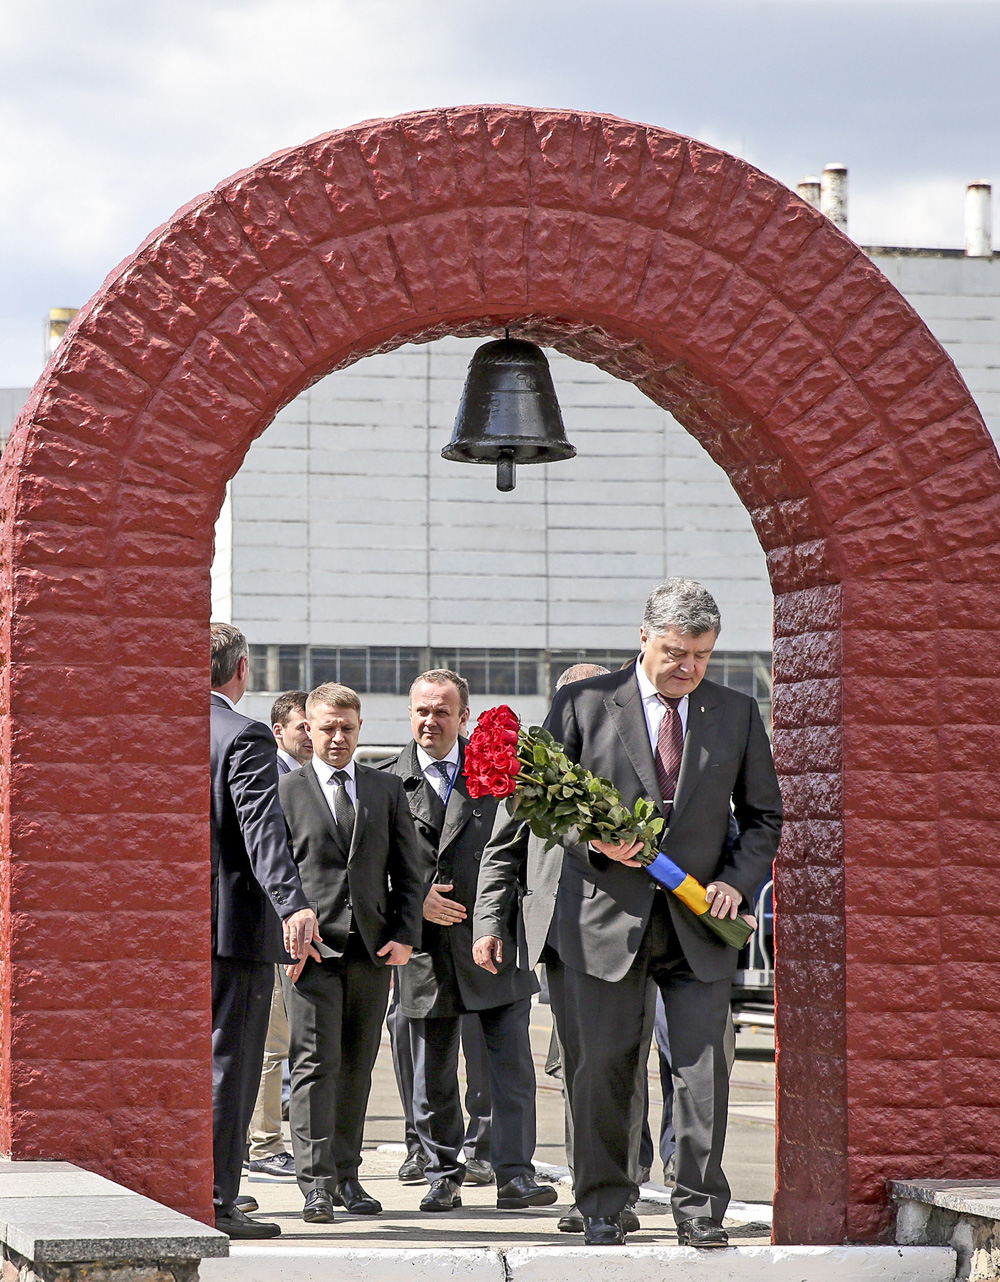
{"type": "Point", "coordinates": [300, 929]}
{"type": "Point", "coordinates": [621, 852]}
{"type": "Point", "coordinates": [395, 954]}
{"type": "Point", "coordinates": [296, 968]}
{"type": "Point", "coordinates": [487, 952]}
{"type": "Point", "coordinates": [442, 911]}
{"type": "Point", "coordinates": [725, 899]}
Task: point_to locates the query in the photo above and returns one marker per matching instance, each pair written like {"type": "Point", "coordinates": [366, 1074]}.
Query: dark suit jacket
{"type": "Point", "coordinates": [384, 872]}
{"type": "Point", "coordinates": [442, 979]}
{"type": "Point", "coordinates": [254, 879]}
{"type": "Point", "coordinates": [516, 866]}
{"type": "Point", "coordinates": [602, 908]}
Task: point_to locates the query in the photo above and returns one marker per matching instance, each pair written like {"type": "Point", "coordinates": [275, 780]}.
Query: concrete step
{"type": "Point", "coordinates": [249, 1262]}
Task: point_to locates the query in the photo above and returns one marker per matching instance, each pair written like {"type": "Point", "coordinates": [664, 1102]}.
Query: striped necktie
{"type": "Point", "coordinates": [669, 750]}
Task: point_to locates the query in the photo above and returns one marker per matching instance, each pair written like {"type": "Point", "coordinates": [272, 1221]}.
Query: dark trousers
{"type": "Point", "coordinates": [241, 1009]}
{"type": "Point", "coordinates": [437, 1109]}
{"type": "Point", "coordinates": [335, 1015]}
{"type": "Point", "coordinates": [478, 1098]}
{"type": "Point", "coordinates": [601, 1026]}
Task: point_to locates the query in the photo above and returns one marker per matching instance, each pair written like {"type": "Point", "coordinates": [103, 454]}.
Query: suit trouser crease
{"type": "Point", "coordinates": [402, 1066]}
{"type": "Point", "coordinates": [335, 1016]}
{"type": "Point", "coordinates": [241, 1007]}
{"type": "Point", "coordinates": [478, 1100]}
{"type": "Point", "coordinates": [639, 1111]}
{"type": "Point", "coordinates": [601, 1027]}
{"type": "Point", "coordinates": [437, 1109]}
{"type": "Point", "coordinates": [266, 1139]}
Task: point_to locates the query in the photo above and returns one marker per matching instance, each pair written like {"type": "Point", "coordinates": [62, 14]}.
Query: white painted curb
{"type": "Point", "coordinates": [249, 1262]}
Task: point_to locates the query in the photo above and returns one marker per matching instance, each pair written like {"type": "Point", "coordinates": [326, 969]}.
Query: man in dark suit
{"type": "Point", "coordinates": [291, 731]}
{"type": "Point", "coordinates": [259, 915]}
{"type": "Point", "coordinates": [700, 752]}
{"type": "Point", "coordinates": [443, 983]}
{"type": "Point", "coordinates": [353, 841]}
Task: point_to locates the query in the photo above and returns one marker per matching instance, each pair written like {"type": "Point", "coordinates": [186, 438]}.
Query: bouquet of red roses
{"type": "Point", "coordinates": [553, 794]}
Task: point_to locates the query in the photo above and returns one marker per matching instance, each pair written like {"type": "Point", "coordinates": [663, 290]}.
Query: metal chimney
{"type": "Point", "coordinates": [833, 195]}
{"type": "Point", "coordinates": [56, 326]}
{"type": "Point", "coordinates": [808, 189]}
{"type": "Point", "coordinates": [978, 220]}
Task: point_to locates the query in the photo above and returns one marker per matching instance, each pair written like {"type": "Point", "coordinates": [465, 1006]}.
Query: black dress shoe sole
{"type": "Point", "coordinates": [541, 1197]}
{"type": "Point", "coordinates": [603, 1241]}
{"type": "Point", "coordinates": [360, 1208]}
{"type": "Point", "coordinates": [703, 1245]}
{"type": "Point", "coordinates": [247, 1232]}
{"type": "Point", "coordinates": [317, 1215]}
{"type": "Point", "coordinates": [452, 1206]}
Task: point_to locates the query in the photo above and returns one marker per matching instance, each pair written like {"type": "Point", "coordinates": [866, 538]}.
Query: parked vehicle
{"type": "Point", "coordinates": [752, 999]}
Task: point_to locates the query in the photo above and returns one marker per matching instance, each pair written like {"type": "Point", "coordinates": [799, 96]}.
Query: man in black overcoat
{"type": "Point", "coordinates": [700, 753]}
{"type": "Point", "coordinates": [442, 981]}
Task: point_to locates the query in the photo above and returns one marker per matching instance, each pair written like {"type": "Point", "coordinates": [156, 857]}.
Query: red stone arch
{"type": "Point", "coordinates": [847, 432]}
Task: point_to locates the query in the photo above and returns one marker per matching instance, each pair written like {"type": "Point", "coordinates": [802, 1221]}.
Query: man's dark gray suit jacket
{"type": "Point", "coordinates": [442, 979]}
{"type": "Point", "coordinates": [602, 908]}
{"type": "Point", "coordinates": [255, 884]}
{"type": "Point", "coordinates": [385, 870]}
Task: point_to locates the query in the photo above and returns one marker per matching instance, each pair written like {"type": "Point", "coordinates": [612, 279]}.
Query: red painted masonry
{"type": "Point", "coordinates": [847, 432]}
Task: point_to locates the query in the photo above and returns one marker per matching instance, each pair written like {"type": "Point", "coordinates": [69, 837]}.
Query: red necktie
{"type": "Point", "coordinates": [669, 750]}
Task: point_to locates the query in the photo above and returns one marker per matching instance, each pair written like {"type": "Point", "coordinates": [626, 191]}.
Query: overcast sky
{"type": "Point", "coordinates": [113, 113]}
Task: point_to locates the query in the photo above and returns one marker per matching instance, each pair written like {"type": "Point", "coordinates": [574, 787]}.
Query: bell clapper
{"type": "Point", "coordinates": [505, 471]}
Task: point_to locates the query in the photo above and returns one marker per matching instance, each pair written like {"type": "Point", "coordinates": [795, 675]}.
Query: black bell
{"type": "Point", "coordinates": [508, 413]}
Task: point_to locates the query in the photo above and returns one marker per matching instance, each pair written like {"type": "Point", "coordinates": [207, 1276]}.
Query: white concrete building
{"type": "Point", "coordinates": [349, 549]}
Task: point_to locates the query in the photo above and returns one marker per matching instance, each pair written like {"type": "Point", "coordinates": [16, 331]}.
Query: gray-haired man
{"type": "Point", "coordinates": [699, 752]}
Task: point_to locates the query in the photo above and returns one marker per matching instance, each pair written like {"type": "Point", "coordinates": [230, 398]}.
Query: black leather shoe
{"type": "Point", "coordinates": [629, 1221]}
{"type": "Point", "coordinates": [318, 1208]}
{"type": "Point", "coordinates": [701, 1231]}
{"type": "Point", "coordinates": [412, 1170]}
{"type": "Point", "coordinates": [352, 1197]}
{"type": "Point", "coordinates": [246, 1203]}
{"type": "Point", "coordinates": [478, 1172]}
{"type": "Point", "coordinates": [603, 1230]}
{"type": "Point", "coordinates": [239, 1225]}
{"type": "Point", "coordinates": [522, 1191]}
{"type": "Point", "coordinates": [444, 1195]}
{"type": "Point", "coordinates": [572, 1221]}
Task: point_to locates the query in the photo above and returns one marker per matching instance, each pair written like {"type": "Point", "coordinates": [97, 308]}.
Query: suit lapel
{"type": "Point", "coordinates": [459, 809]}
{"type": "Point", "coordinates": [363, 786]}
{"type": "Point", "coordinates": [699, 740]}
{"type": "Point", "coordinates": [418, 789]}
{"type": "Point", "coordinates": [319, 800]}
{"type": "Point", "coordinates": [626, 711]}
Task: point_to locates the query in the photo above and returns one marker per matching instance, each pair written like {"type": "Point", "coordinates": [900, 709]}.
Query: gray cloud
{"type": "Point", "coordinates": [113, 114]}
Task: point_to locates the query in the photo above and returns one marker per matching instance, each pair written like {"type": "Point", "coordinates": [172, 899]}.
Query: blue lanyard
{"type": "Point", "coordinates": [451, 784]}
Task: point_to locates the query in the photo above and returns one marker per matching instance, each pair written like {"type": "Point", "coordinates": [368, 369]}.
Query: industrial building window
{"type": "Point", "coordinates": [392, 669]}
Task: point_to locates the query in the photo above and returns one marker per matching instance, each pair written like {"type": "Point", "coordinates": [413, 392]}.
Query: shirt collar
{"type": "Point", "coordinates": [648, 691]}
{"type": "Point", "coordinates": [425, 760]}
{"type": "Point", "coordinates": [324, 771]}
{"type": "Point", "coordinates": [288, 759]}
{"type": "Point", "coordinates": [225, 698]}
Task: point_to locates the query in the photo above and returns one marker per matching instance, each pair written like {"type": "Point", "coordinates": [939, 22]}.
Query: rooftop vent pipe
{"type": "Point", "coordinates": [978, 221]}
{"type": "Point", "coordinates": [808, 189]}
{"type": "Point", "coordinates": [833, 195]}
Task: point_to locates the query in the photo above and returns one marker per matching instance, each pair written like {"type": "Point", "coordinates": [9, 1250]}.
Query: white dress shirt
{"type": "Point", "coordinates": [225, 698]}
{"type": "Point", "coordinates": [288, 759]}
{"type": "Point", "coordinates": [433, 776]}
{"type": "Point", "coordinates": [325, 773]}
{"type": "Point", "coordinates": [654, 709]}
